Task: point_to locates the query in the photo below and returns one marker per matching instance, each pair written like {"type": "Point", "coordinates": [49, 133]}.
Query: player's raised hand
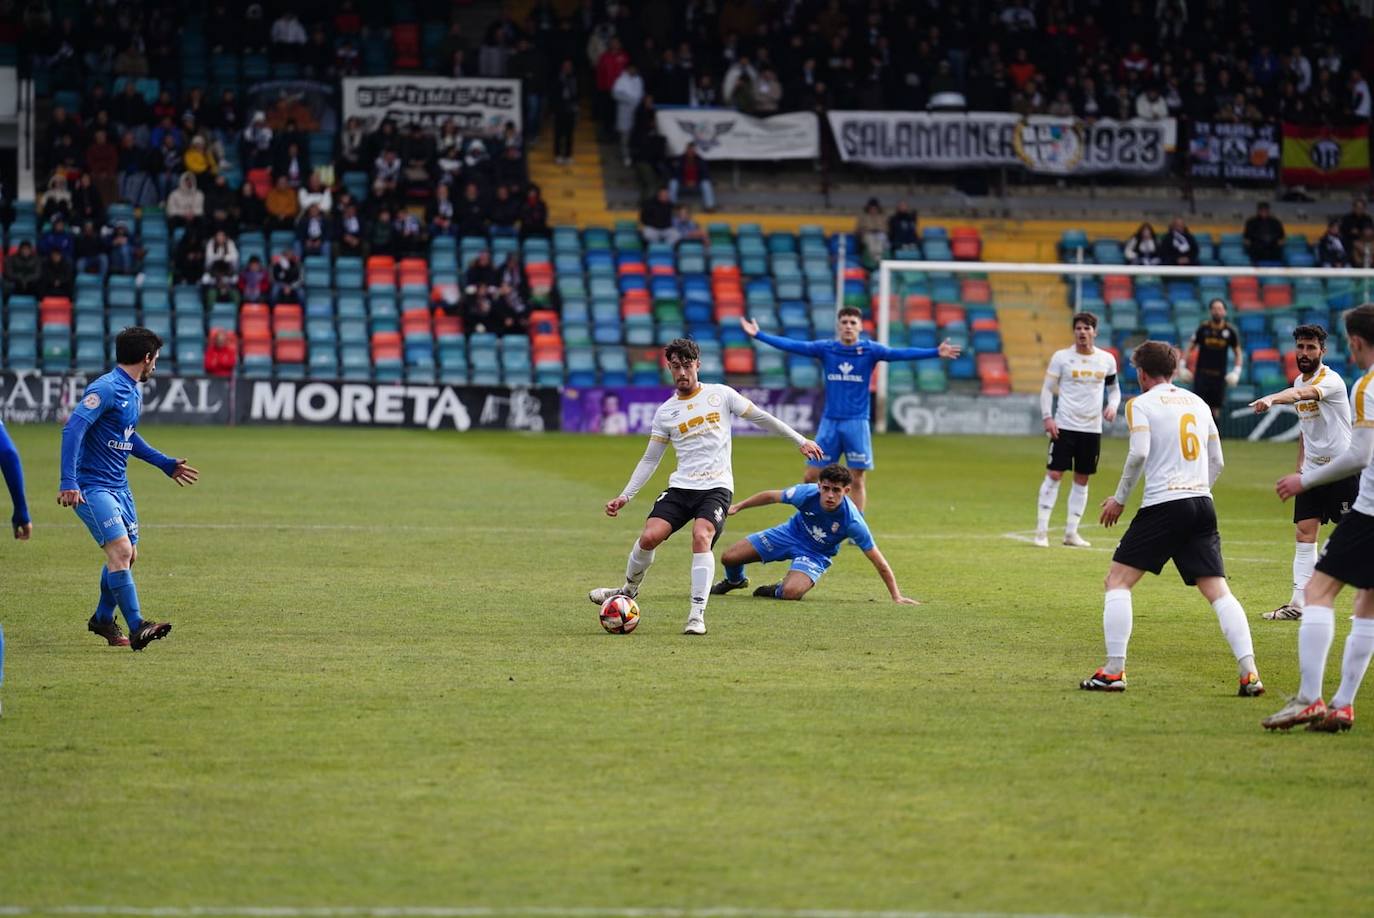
{"type": "Point", "coordinates": [184, 475]}
{"type": "Point", "coordinates": [1052, 428]}
{"type": "Point", "coordinates": [23, 531]}
{"type": "Point", "coordinates": [1111, 512]}
{"type": "Point", "coordinates": [949, 350]}
{"type": "Point", "coordinates": [70, 498]}
{"type": "Point", "coordinates": [1289, 486]}
{"type": "Point", "coordinates": [751, 328]}
{"type": "Point", "coordinates": [1261, 405]}
{"type": "Point", "coordinates": [613, 506]}
{"type": "Point", "coordinates": [811, 450]}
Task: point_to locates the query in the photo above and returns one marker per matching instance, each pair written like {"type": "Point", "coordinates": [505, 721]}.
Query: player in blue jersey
{"type": "Point", "coordinates": [825, 517]}
{"type": "Point", "coordinates": [847, 362]}
{"type": "Point", "coordinates": [97, 441]}
{"type": "Point", "coordinates": [23, 527]}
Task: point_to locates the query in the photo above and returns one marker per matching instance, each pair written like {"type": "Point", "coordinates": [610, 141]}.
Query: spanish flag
{"type": "Point", "coordinates": [1322, 155]}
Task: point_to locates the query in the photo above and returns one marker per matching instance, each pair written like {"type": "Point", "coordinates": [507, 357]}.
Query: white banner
{"type": "Point", "coordinates": [1040, 143]}
{"type": "Point", "coordinates": [476, 105]}
{"type": "Point", "coordinates": [721, 133]}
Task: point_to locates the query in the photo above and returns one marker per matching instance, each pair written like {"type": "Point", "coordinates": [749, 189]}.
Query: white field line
{"type": "Point", "coordinates": [405, 911]}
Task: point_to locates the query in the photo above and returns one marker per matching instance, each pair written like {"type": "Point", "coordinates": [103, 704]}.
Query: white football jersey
{"type": "Point", "coordinates": [1362, 408]}
{"type": "Point", "coordinates": [1325, 421]}
{"type": "Point", "coordinates": [1080, 380]}
{"type": "Point", "coordinates": [1182, 432]}
{"type": "Point", "coordinates": [698, 427]}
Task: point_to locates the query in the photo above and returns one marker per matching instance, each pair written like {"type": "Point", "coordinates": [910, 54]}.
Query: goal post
{"type": "Point", "coordinates": [1131, 301]}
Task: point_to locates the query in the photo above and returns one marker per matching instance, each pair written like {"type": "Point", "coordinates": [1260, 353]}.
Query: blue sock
{"type": "Point", "coordinates": [777, 591]}
{"type": "Point", "coordinates": [105, 609]}
{"type": "Point", "coordinates": [121, 584]}
{"type": "Point", "coordinates": [734, 572]}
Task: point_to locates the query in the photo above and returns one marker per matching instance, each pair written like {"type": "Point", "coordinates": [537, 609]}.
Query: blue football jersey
{"type": "Point", "coordinates": [848, 368]}
{"type": "Point", "coordinates": [824, 530]}
{"type": "Point", "coordinates": [111, 405]}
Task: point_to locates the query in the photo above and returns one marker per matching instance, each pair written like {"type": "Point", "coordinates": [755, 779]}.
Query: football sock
{"type": "Point", "coordinates": [734, 572]}
{"type": "Point", "coordinates": [1304, 560]}
{"type": "Point", "coordinates": [703, 569]}
{"type": "Point", "coordinates": [634, 568]}
{"type": "Point", "coordinates": [105, 609]}
{"type": "Point", "coordinates": [1078, 502]}
{"type": "Point", "coordinates": [777, 590]}
{"type": "Point", "coordinates": [1359, 647]}
{"type": "Point", "coordinates": [121, 584]}
{"type": "Point", "coordinates": [1315, 633]}
{"type": "Point", "coordinates": [1116, 626]}
{"type": "Point", "coordinates": [1231, 617]}
{"type": "Point", "coordinates": [1049, 494]}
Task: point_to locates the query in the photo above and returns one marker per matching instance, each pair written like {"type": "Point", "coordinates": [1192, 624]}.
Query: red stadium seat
{"type": "Point", "coordinates": [289, 318]}
{"type": "Point", "coordinates": [55, 310]}
{"type": "Point", "coordinates": [918, 308]}
{"type": "Point", "coordinates": [738, 359]}
{"type": "Point", "coordinates": [949, 313]}
{"type": "Point", "coordinates": [289, 350]}
{"type": "Point", "coordinates": [446, 326]}
{"type": "Point", "coordinates": [1278, 295]}
{"type": "Point", "coordinates": [975, 290]}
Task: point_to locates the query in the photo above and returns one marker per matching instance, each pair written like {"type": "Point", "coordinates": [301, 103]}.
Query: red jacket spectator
{"type": "Point", "coordinates": [221, 356]}
{"type": "Point", "coordinates": [608, 67]}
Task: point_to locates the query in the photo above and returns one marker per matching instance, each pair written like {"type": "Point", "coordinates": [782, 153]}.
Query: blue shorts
{"type": "Point", "coordinates": [109, 514]}
{"type": "Point", "coordinates": [777, 544]}
{"type": "Point", "coordinates": [851, 439]}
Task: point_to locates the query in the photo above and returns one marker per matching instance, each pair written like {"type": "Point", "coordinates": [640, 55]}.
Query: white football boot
{"type": "Point", "coordinates": [1074, 540]}
{"type": "Point", "coordinates": [601, 594]}
{"type": "Point", "coordinates": [696, 624]}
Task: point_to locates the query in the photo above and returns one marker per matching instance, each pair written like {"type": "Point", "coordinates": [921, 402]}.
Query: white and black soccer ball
{"type": "Point", "coordinates": [620, 615]}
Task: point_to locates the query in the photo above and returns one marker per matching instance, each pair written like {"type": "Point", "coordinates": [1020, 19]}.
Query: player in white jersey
{"type": "Point", "coordinates": [1348, 558]}
{"type": "Point", "coordinates": [1174, 442]}
{"type": "Point", "coordinates": [1319, 397]}
{"type": "Point", "coordinates": [696, 421]}
{"type": "Point", "coordinates": [1079, 374]}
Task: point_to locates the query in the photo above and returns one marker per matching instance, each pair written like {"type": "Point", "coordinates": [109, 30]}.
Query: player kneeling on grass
{"type": "Point", "coordinates": [1347, 559]}
{"type": "Point", "coordinates": [825, 517]}
{"type": "Point", "coordinates": [1174, 441]}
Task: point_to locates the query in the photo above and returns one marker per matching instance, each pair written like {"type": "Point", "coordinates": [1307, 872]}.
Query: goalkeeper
{"type": "Point", "coordinates": [1212, 340]}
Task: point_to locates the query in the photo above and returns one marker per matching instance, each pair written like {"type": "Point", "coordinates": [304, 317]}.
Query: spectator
{"type": "Point", "coordinates": [381, 234]}
{"type": "Point", "coordinates": [1143, 248]}
{"type": "Point", "coordinates": [609, 66]}
{"type": "Point", "coordinates": [512, 286]}
{"type": "Point", "coordinates": [767, 93]}
{"type": "Point", "coordinates": [286, 277]}
{"type": "Point", "coordinates": [291, 164]}
{"type": "Point", "coordinates": [23, 271]}
{"type": "Point", "coordinates": [486, 313]}
{"type": "Point", "coordinates": [221, 288]}
{"type": "Point", "coordinates": [185, 205]}
{"type": "Point", "coordinates": [57, 200]}
{"type": "Point", "coordinates": [627, 92]}
{"type": "Point", "coordinates": [221, 256]}
{"type": "Point", "coordinates": [254, 281]}
{"type": "Point", "coordinates": [313, 232]}
{"type": "Point", "coordinates": [704, 93]}
{"type": "Point", "coordinates": [314, 192]}
{"type": "Point", "coordinates": [188, 258]}
{"type": "Point", "coordinates": [1179, 247]}
{"type": "Point", "coordinates": [288, 37]}
{"type": "Point", "coordinates": [126, 255]}
{"type": "Point", "coordinates": [417, 162]}
{"type": "Point", "coordinates": [871, 230]}
{"type": "Point", "coordinates": [102, 159]}
{"type": "Point", "coordinates": [352, 141]}
{"type": "Point", "coordinates": [1359, 95]}
{"type": "Point", "coordinates": [1354, 223]}
{"type": "Point", "coordinates": [200, 161]}
{"type": "Point", "coordinates": [386, 174]}
{"type": "Point", "coordinates": [440, 212]}
{"type": "Point", "coordinates": [1264, 237]}
{"type": "Point", "coordinates": [350, 230]}
{"type": "Point", "coordinates": [282, 206]}
{"type": "Point", "coordinates": [221, 357]}
{"type": "Point", "coordinates": [257, 143]}
{"type": "Point", "coordinates": [565, 106]}
{"type": "Point", "coordinates": [57, 239]}
{"type": "Point", "coordinates": [685, 226]}
{"type": "Point", "coordinates": [534, 214]}
{"type": "Point", "coordinates": [135, 181]}
{"type": "Point", "coordinates": [481, 273]}
{"type": "Point", "coordinates": [87, 204]}
{"type": "Point", "coordinates": [692, 173]}
{"type": "Point", "coordinates": [901, 227]}
{"type": "Point", "coordinates": [472, 213]}
{"type": "Point", "coordinates": [1150, 105]}
{"type": "Point", "coordinates": [58, 277]}
{"type": "Point", "coordinates": [130, 113]}
{"type": "Point", "coordinates": [505, 212]}
{"type": "Point", "coordinates": [1362, 254]}
{"type": "Point", "coordinates": [656, 218]}
{"type": "Point", "coordinates": [411, 239]}
{"type": "Point", "coordinates": [1331, 250]}
{"type": "Point", "coordinates": [90, 253]}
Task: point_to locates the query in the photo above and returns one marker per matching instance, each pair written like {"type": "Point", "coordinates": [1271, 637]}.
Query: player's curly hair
{"type": "Point", "coordinates": [1085, 318]}
{"type": "Point", "coordinates": [1310, 333]}
{"type": "Point", "coordinates": [838, 474]}
{"type": "Point", "coordinates": [1156, 358]}
{"type": "Point", "coordinates": [1360, 321]}
{"type": "Point", "coordinates": [684, 349]}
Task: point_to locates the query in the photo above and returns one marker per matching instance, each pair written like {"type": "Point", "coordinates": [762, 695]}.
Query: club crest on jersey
{"type": "Point", "coordinates": [713, 401]}
{"type": "Point", "coordinates": [834, 527]}
{"type": "Point", "coordinates": [91, 401]}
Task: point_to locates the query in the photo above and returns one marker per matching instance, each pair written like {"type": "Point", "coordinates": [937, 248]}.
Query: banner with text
{"type": "Point", "coordinates": [1325, 155]}
{"type": "Point", "coordinates": [726, 134]}
{"type": "Point", "coordinates": [615, 410]}
{"type": "Point", "coordinates": [477, 106]}
{"type": "Point", "coordinates": [1234, 152]}
{"type": "Point", "coordinates": [31, 397]}
{"type": "Point", "coordinates": [1011, 415]}
{"type": "Point", "coordinates": [1040, 143]}
{"type": "Point", "coordinates": [369, 404]}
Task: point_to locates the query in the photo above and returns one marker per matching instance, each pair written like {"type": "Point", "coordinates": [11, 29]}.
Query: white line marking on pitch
{"type": "Point", "coordinates": [405, 911]}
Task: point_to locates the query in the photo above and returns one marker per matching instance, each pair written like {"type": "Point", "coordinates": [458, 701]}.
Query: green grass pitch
{"type": "Point", "coordinates": [386, 688]}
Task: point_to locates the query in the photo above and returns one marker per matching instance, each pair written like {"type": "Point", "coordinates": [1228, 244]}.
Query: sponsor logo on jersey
{"type": "Point", "coordinates": [846, 374]}
{"type": "Point", "coordinates": [817, 533]}
{"type": "Point", "coordinates": [124, 445]}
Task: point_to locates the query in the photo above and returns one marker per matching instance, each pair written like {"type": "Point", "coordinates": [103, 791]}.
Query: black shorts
{"type": "Point", "coordinates": [1348, 553]}
{"type": "Point", "coordinates": [1184, 531]}
{"type": "Point", "coordinates": [678, 506]}
{"type": "Point", "coordinates": [1327, 503]}
{"type": "Point", "coordinates": [1075, 450]}
{"type": "Point", "coordinates": [1210, 388]}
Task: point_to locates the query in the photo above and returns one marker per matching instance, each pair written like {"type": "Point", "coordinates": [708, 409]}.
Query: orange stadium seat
{"type": "Point", "coordinates": [918, 308]}
{"type": "Point", "coordinates": [288, 317]}
{"type": "Point", "coordinates": [289, 350]}
{"type": "Point", "coordinates": [738, 359]}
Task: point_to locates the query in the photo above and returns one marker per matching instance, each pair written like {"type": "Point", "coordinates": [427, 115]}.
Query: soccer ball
{"type": "Point", "coordinates": [619, 615]}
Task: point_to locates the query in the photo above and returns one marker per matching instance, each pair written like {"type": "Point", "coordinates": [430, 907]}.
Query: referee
{"type": "Point", "coordinates": [1210, 343]}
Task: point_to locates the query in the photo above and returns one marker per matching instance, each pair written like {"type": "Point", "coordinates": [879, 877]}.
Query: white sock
{"type": "Point", "coordinates": [634, 568]}
{"type": "Point", "coordinates": [1116, 626]}
{"type": "Point", "coordinates": [1231, 617]}
{"type": "Point", "coordinates": [1049, 494]}
{"type": "Point", "coordinates": [1078, 502]}
{"type": "Point", "coordinates": [1359, 647]}
{"type": "Point", "coordinates": [703, 569]}
{"type": "Point", "coordinates": [1315, 632]}
{"type": "Point", "coordinates": [1304, 561]}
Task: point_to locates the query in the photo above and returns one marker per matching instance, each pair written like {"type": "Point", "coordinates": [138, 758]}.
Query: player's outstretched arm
{"type": "Point", "coordinates": [765, 421]}
{"type": "Point", "coordinates": [179, 470]}
{"type": "Point", "coordinates": [648, 464]}
{"type": "Point", "coordinates": [889, 579]}
{"type": "Point", "coordinates": [1286, 397]}
{"type": "Point", "coordinates": [761, 499]}
{"type": "Point", "coordinates": [791, 345]}
{"type": "Point", "coordinates": [1359, 455]}
{"type": "Point", "coordinates": [14, 480]}
{"type": "Point", "coordinates": [947, 350]}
